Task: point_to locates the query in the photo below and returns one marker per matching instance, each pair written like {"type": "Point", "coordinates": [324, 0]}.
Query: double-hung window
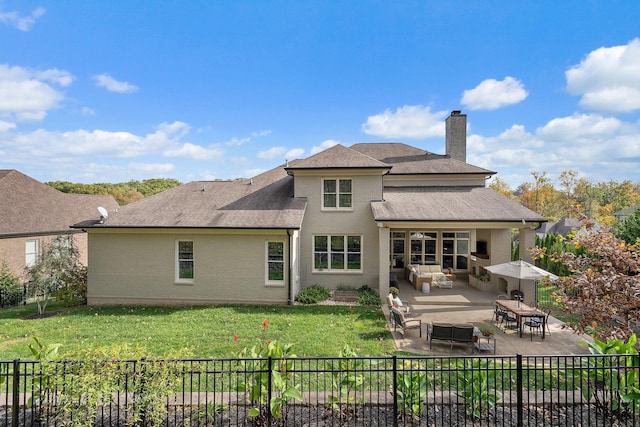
{"type": "Point", "coordinates": [275, 263]}
{"type": "Point", "coordinates": [31, 253]}
{"type": "Point", "coordinates": [337, 193]}
{"type": "Point", "coordinates": [337, 253]}
{"type": "Point", "coordinates": [184, 261]}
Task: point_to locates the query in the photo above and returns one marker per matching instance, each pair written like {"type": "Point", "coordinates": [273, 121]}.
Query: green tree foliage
{"type": "Point", "coordinates": [10, 287]}
{"type": "Point", "coordinates": [629, 228]}
{"type": "Point", "coordinates": [57, 269]}
{"type": "Point", "coordinates": [124, 192]}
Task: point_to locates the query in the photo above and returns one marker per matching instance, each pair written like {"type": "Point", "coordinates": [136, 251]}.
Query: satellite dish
{"type": "Point", "coordinates": [103, 212]}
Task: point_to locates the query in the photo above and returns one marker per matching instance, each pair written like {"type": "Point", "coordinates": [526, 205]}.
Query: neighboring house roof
{"type": "Point", "coordinates": [450, 204]}
{"type": "Point", "coordinates": [337, 157]}
{"type": "Point", "coordinates": [263, 202]}
{"type": "Point", "coordinates": [30, 207]}
{"type": "Point", "coordinates": [562, 227]}
{"type": "Point", "coordinates": [408, 160]}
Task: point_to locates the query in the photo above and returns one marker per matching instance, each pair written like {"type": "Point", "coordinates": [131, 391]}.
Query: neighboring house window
{"type": "Point", "coordinates": [455, 250]}
{"type": "Point", "coordinates": [337, 193]}
{"type": "Point", "coordinates": [275, 263]}
{"type": "Point", "coordinates": [337, 253]}
{"type": "Point", "coordinates": [184, 261]}
{"type": "Point", "coordinates": [31, 253]}
{"type": "Point", "coordinates": [423, 247]}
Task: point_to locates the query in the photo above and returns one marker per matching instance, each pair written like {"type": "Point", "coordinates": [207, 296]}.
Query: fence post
{"type": "Point", "coordinates": [15, 402]}
{"type": "Point", "coordinates": [519, 386]}
{"type": "Point", "coordinates": [269, 390]}
{"type": "Point", "coordinates": [395, 390]}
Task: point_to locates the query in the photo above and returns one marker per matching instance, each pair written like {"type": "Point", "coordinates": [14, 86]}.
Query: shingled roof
{"type": "Point", "coordinates": [338, 157]}
{"type": "Point", "coordinates": [263, 202]}
{"type": "Point", "coordinates": [475, 204]}
{"type": "Point", "coordinates": [30, 207]}
{"type": "Point", "coordinates": [407, 160]}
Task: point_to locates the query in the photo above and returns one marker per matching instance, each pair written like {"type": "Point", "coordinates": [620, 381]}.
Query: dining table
{"type": "Point", "coordinates": [523, 311]}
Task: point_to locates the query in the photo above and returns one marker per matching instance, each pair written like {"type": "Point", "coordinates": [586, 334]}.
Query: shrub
{"type": "Point", "coordinates": [10, 287]}
{"type": "Point", "coordinates": [313, 294]}
{"type": "Point", "coordinates": [367, 296]}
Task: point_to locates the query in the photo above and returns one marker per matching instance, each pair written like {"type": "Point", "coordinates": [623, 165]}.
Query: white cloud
{"type": "Point", "coordinates": [22, 23]}
{"type": "Point", "coordinates": [237, 142]}
{"type": "Point", "coordinates": [196, 152]}
{"type": "Point", "coordinates": [86, 111]}
{"type": "Point", "coordinates": [261, 133]}
{"type": "Point", "coordinates": [113, 85]}
{"type": "Point", "coordinates": [580, 126]}
{"type": "Point", "coordinates": [5, 126]}
{"type": "Point", "coordinates": [272, 153]}
{"type": "Point", "coordinates": [409, 121]}
{"type": "Point", "coordinates": [324, 145]}
{"type": "Point", "coordinates": [492, 94]}
{"type": "Point", "coordinates": [27, 94]}
{"type": "Point", "coordinates": [294, 153]}
{"type": "Point", "coordinates": [608, 79]}
{"type": "Point", "coordinates": [153, 169]}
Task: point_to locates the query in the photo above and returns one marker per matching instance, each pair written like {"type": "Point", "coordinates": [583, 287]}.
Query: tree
{"type": "Point", "coordinates": [604, 283]}
{"type": "Point", "coordinates": [10, 287]}
{"type": "Point", "coordinates": [629, 228]}
{"type": "Point", "coordinates": [57, 268]}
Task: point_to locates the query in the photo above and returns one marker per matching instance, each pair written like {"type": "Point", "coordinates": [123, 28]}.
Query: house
{"type": "Point", "coordinates": [562, 227]}
{"type": "Point", "coordinates": [346, 216]}
{"type": "Point", "coordinates": [32, 214]}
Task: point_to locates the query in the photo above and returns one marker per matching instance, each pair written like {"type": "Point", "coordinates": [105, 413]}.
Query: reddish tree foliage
{"type": "Point", "coordinates": [604, 286]}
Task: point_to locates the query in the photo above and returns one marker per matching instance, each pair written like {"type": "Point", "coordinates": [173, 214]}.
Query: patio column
{"type": "Point", "coordinates": [527, 240]}
{"type": "Point", "coordinates": [383, 261]}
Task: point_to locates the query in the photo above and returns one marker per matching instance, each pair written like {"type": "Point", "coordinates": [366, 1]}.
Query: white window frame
{"type": "Point", "coordinates": [338, 193]}
{"type": "Point", "coordinates": [178, 260]}
{"type": "Point", "coordinates": [31, 256]}
{"type": "Point", "coordinates": [345, 252]}
{"type": "Point", "coordinates": [268, 261]}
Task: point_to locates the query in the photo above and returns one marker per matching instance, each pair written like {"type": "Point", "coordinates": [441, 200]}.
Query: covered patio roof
{"type": "Point", "coordinates": [450, 204]}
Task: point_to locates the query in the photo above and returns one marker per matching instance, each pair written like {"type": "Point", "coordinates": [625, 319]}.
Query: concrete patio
{"type": "Point", "coordinates": [465, 304]}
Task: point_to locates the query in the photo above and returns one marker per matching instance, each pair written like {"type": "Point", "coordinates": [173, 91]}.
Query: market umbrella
{"type": "Point", "coordinates": [520, 270]}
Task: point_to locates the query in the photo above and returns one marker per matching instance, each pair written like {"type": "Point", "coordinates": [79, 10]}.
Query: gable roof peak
{"type": "Point", "coordinates": [337, 157]}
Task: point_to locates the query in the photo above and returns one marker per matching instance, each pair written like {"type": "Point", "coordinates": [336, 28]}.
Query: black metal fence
{"type": "Point", "coordinates": [571, 390]}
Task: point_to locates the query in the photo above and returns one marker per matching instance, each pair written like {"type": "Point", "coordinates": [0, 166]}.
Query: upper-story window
{"type": "Point", "coordinates": [337, 193]}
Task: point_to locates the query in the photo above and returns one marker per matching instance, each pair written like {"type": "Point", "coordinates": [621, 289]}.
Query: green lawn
{"type": "Point", "coordinates": [207, 332]}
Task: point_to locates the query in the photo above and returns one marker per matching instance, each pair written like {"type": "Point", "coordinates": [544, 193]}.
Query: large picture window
{"type": "Point", "coordinates": [337, 253]}
{"type": "Point", "coordinates": [337, 193]}
{"type": "Point", "coordinates": [423, 247]}
{"type": "Point", "coordinates": [455, 250]}
{"type": "Point", "coordinates": [184, 261]}
{"type": "Point", "coordinates": [275, 263]}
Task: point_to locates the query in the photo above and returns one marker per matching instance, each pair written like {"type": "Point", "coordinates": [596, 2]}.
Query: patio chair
{"type": "Point", "coordinates": [404, 309]}
{"type": "Point", "coordinates": [535, 323]}
{"type": "Point", "coordinates": [509, 320]}
{"type": "Point", "coordinates": [405, 324]}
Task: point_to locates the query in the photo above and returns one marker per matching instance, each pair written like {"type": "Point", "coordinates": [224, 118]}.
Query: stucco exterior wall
{"type": "Point", "coordinates": [138, 267]}
{"type": "Point", "coordinates": [357, 221]}
{"type": "Point", "coordinates": [13, 250]}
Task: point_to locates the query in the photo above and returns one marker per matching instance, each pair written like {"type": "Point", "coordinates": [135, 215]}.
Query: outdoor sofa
{"type": "Point", "coordinates": [418, 274]}
{"type": "Point", "coordinates": [451, 333]}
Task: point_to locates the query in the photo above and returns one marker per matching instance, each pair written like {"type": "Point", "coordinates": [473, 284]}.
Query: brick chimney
{"type": "Point", "coordinates": [456, 135]}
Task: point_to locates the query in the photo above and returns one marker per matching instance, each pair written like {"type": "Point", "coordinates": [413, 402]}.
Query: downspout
{"type": "Point", "coordinates": [289, 284]}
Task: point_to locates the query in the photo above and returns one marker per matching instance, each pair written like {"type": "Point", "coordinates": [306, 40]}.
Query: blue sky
{"type": "Point", "coordinates": [112, 91]}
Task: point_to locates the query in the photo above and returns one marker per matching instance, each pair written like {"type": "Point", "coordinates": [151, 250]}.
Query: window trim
{"type": "Point", "coordinates": [177, 278]}
{"type": "Point", "coordinates": [345, 253]}
{"type": "Point", "coordinates": [337, 193]}
{"type": "Point", "coordinates": [36, 244]}
{"type": "Point", "coordinates": [267, 282]}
